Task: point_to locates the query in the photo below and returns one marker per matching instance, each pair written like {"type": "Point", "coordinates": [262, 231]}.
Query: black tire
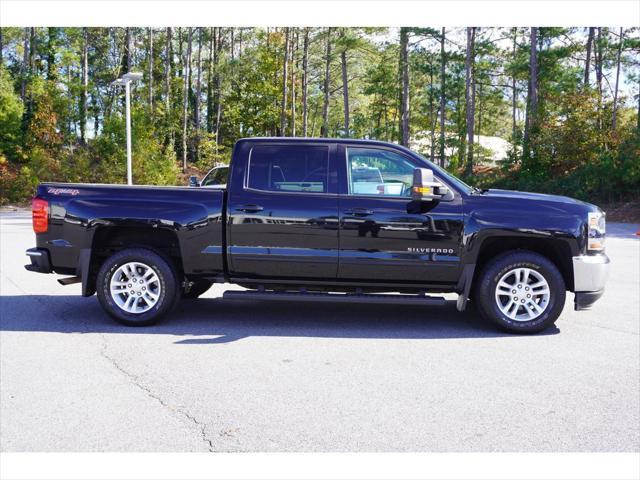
{"type": "Point", "coordinates": [487, 281]}
{"type": "Point", "coordinates": [167, 280]}
{"type": "Point", "coordinates": [198, 288]}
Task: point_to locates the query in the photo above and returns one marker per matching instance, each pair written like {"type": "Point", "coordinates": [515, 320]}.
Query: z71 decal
{"type": "Point", "coordinates": [63, 191]}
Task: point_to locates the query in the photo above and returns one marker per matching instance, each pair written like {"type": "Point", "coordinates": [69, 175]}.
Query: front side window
{"type": "Point", "coordinates": [375, 171]}
{"type": "Point", "coordinates": [289, 168]}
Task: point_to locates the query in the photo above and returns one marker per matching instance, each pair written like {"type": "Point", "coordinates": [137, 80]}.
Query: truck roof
{"type": "Point", "coordinates": [320, 140]}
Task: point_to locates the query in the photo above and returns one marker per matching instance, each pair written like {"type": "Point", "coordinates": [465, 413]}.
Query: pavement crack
{"type": "Point", "coordinates": [151, 394]}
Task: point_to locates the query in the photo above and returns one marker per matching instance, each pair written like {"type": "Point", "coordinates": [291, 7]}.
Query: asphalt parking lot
{"type": "Point", "coordinates": [250, 376]}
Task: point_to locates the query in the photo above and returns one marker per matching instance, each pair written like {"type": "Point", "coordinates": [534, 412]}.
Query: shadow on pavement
{"type": "Point", "coordinates": [623, 230]}
{"type": "Point", "coordinates": [215, 320]}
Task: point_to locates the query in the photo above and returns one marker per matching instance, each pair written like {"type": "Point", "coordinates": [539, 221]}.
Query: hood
{"type": "Point", "coordinates": [571, 204]}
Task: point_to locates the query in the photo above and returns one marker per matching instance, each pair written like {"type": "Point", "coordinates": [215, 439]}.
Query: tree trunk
{"type": "Point", "coordinates": [127, 50]}
{"type": "Point", "coordinates": [185, 102]}
{"type": "Point", "coordinates": [233, 52]}
{"type": "Point", "coordinates": [588, 61]}
{"type": "Point", "coordinates": [432, 117]}
{"type": "Point", "coordinates": [327, 72]}
{"type": "Point", "coordinates": [598, 60]}
{"type": "Point", "coordinates": [345, 90]}
{"type": "Point", "coordinates": [534, 74]}
{"type": "Point", "coordinates": [1, 47]}
{"type": "Point", "coordinates": [51, 53]}
{"type": "Point", "coordinates": [305, 81]}
{"type": "Point", "coordinates": [514, 97]}
{"type": "Point", "coordinates": [167, 74]}
{"type": "Point", "coordinates": [470, 97]}
{"type": "Point", "coordinates": [283, 104]}
{"type": "Point", "coordinates": [218, 91]}
{"type": "Point", "coordinates": [478, 106]}
{"type": "Point", "coordinates": [85, 85]}
{"type": "Point", "coordinates": [151, 69]}
{"type": "Point", "coordinates": [96, 115]}
{"type": "Point", "coordinates": [294, 66]}
{"type": "Point", "coordinates": [532, 91]}
{"type": "Point", "coordinates": [615, 92]}
{"type": "Point", "coordinates": [196, 112]}
{"type": "Point", "coordinates": [32, 51]}
{"type": "Point", "coordinates": [27, 74]}
{"type": "Point", "coordinates": [638, 115]}
{"type": "Point", "coordinates": [180, 51]}
{"type": "Point", "coordinates": [25, 65]}
{"type": "Point", "coordinates": [212, 31]}
{"type": "Point", "coordinates": [404, 89]}
{"type": "Point", "coordinates": [443, 60]}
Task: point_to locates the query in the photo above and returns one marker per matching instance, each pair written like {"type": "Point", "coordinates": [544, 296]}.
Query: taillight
{"type": "Point", "coordinates": [40, 215]}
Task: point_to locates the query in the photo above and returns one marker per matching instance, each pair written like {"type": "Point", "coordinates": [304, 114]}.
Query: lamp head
{"type": "Point", "coordinates": [132, 76]}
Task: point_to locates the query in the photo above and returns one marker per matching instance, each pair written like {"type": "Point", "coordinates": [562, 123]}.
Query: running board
{"type": "Point", "coordinates": [69, 280]}
{"type": "Point", "coordinates": [336, 297]}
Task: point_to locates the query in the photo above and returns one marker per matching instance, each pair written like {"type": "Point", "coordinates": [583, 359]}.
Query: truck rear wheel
{"type": "Point", "coordinates": [520, 291]}
{"type": "Point", "coordinates": [137, 286]}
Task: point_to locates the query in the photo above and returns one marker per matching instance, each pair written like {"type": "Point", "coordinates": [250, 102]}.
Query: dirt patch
{"type": "Point", "coordinates": [626, 212]}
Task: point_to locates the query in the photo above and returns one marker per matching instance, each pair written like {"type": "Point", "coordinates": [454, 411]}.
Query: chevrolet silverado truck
{"type": "Point", "coordinates": [317, 220]}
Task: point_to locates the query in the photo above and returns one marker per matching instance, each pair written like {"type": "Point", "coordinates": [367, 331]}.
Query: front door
{"type": "Point", "coordinates": [384, 235]}
{"type": "Point", "coordinates": [283, 212]}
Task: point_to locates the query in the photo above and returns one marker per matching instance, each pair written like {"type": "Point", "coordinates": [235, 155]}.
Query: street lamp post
{"type": "Point", "coordinates": [125, 81]}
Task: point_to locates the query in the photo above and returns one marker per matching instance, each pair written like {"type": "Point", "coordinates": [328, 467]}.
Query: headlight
{"type": "Point", "coordinates": [596, 235]}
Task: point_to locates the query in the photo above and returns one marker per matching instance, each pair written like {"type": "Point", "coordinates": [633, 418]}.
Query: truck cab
{"type": "Point", "coordinates": [326, 220]}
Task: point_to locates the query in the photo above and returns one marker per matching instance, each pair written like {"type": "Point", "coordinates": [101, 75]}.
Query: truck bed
{"type": "Point", "coordinates": [191, 219]}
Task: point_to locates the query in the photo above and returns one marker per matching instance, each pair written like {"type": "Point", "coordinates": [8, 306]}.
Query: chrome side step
{"type": "Point", "coordinates": [335, 297]}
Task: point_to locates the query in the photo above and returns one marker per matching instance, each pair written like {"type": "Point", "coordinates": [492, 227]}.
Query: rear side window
{"type": "Point", "coordinates": [289, 168]}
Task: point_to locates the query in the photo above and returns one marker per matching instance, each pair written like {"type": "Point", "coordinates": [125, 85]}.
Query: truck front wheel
{"type": "Point", "coordinates": [137, 286]}
{"type": "Point", "coordinates": [520, 291]}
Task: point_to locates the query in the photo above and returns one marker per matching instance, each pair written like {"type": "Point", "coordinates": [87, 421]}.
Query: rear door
{"type": "Point", "coordinates": [384, 235]}
{"type": "Point", "coordinates": [283, 211]}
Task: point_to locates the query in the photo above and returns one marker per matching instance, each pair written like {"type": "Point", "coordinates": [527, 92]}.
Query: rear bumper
{"type": "Point", "coordinates": [40, 261]}
{"type": "Point", "coordinates": [590, 274]}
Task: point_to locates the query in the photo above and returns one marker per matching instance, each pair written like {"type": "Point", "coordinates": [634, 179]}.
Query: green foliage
{"type": "Point", "coordinates": [211, 153]}
{"type": "Point", "coordinates": [11, 111]}
{"type": "Point", "coordinates": [573, 147]}
{"type": "Point", "coordinates": [153, 164]}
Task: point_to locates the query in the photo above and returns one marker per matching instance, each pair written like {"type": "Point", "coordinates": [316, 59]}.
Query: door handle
{"type": "Point", "coordinates": [249, 208]}
{"type": "Point", "coordinates": [359, 212]}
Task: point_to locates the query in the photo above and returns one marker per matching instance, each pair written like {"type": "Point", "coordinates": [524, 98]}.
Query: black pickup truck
{"type": "Point", "coordinates": [324, 220]}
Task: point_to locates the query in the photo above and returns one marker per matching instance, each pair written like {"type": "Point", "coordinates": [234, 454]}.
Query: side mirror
{"type": "Point", "coordinates": [426, 189]}
{"type": "Point", "coordinates": [193, 181]}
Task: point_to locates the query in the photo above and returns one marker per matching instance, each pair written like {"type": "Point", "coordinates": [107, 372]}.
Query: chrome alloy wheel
{"type": "Point", "coordinates": [522, 294]}
{"type": "Point", "coordinates": [135, 287]}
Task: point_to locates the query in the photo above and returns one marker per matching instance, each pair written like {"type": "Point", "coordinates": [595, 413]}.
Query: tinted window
{"type": "Point", "coordinates": [289, 168]}
{"type": "Point", "coordinates": [374, 171]}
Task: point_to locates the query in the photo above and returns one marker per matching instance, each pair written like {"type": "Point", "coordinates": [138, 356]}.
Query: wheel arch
{"type": "Point", "coordinates": [556, 250]}
{"type": "Point", "coordinates": [110, 239]}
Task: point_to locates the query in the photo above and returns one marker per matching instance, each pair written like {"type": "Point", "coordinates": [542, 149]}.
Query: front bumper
{"type": "Point", "coordinates": [40, 261]}
{"type": "Point", "coordinates": [590, 273]}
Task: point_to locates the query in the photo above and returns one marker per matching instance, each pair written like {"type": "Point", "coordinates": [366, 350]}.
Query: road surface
{"type": "Point", "coordinates": [223, 375]}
